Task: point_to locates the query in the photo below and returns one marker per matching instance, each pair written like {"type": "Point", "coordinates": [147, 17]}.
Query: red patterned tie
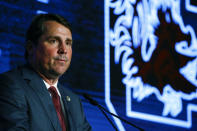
{"type": "Point", "coordinates": [57, 104]}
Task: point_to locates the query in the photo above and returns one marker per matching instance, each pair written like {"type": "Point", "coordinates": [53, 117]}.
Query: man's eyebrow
{"type": "Point", "coordinates": [57, 37]}
{"type": "Point", "coordinates": [68, 39]}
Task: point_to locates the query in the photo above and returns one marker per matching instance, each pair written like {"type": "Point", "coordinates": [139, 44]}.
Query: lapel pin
{"type": "Point", "coordinates": [67, 98]}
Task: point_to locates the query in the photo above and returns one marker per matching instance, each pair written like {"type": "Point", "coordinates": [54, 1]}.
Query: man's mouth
{"type": "Point", "coordinates": [61, 60]}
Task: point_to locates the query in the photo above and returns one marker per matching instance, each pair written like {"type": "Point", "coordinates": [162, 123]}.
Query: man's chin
{"type": "Point", "coordinates": [59, 72]}
{"type": "Point", "coordinates": [55, 74]}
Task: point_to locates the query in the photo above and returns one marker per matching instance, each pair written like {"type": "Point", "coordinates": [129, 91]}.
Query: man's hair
{"type": "Point", "coordinates": [37, 27]}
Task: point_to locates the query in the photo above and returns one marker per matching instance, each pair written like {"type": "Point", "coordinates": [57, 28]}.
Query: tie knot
{"type": "Point", "coordinates": [53, 91]}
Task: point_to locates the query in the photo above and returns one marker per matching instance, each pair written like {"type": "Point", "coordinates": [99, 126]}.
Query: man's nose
{"type": "Point", "coordinates": [62, 48]}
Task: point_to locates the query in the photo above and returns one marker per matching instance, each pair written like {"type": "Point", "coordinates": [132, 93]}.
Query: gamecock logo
{"type": "Point", "coordinates": [156, 49]}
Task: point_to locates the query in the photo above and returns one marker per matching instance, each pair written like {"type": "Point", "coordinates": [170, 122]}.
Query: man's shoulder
{"type": "Point", "coordinates": [12, 76]}
{"type": "Point", "coordinates": [66, 91]}
{"type": "Point", "coordinates": [9, 74]}
{"type": "Point", "coordinates": [17, 72]}
{"type": "Point", "coordinates": [14, 72]}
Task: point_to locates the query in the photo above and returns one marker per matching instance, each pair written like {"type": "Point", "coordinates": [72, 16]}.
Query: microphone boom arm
{"type": "Point", "coordinates": [95, 103]}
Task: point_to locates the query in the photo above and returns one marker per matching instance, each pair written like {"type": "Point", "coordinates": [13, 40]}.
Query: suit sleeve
{"type": "Point", "coordinates": [13, 108]}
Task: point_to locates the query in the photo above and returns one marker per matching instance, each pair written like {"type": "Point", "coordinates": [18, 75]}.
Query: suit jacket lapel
{"type": "Point", "coordinates": [65, 98]}
{"type": "Point", "coordinates": [37, 84]}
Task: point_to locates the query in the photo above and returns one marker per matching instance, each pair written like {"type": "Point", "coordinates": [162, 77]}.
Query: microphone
{"type": "Point", "coordinates": [103, 110]}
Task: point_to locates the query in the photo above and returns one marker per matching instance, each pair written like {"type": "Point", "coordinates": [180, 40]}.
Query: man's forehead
{"type": "Point", "coordinates": [55, 29]}
{"type": "Point", "coordinates": [55, 26]}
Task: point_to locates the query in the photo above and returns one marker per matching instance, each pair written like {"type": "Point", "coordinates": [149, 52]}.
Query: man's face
{"type": "Point", "coordinates": [52, 55]}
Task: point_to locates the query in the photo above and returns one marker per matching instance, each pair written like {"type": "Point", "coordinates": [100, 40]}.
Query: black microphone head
{"type": "Point", "coordinates": [88, 97]}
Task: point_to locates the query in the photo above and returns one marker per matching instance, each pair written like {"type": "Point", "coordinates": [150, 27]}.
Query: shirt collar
{"type": "Point", "coordinates": [55, 85]}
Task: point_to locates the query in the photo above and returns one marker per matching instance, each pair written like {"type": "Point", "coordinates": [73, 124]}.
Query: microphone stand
{"type": "Point", "coordinates": [95, 103]}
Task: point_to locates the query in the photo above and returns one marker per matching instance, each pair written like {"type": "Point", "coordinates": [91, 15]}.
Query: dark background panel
{"type": "Point", "coordinates": [86, 73]}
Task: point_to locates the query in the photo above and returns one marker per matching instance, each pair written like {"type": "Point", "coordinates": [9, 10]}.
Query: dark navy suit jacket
{"type": "Point", "coordinates": [26, 105]}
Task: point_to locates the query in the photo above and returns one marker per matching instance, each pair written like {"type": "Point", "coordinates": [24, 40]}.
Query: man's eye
{"type": "Point", "coordinates": [52, 41]}
{"type": "Point", "coordinates": [69, 43]}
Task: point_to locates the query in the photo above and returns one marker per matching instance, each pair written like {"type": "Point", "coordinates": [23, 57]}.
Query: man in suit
{"type": "Point", "coordinates": [31, 98]}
